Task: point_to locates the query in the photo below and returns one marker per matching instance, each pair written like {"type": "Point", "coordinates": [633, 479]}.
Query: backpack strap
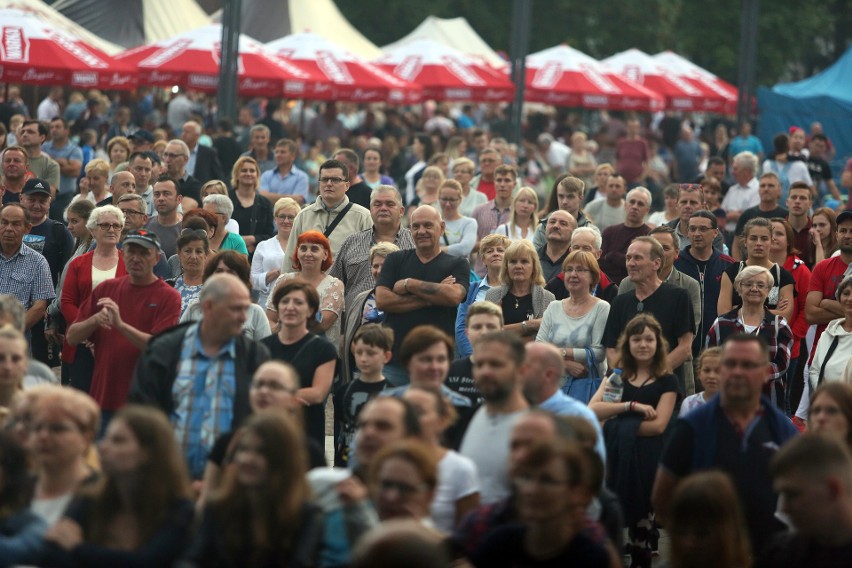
{"type": "Point", "coordinates": [330, 229]}
{"type": "Point", "coordinates": [828, 355]}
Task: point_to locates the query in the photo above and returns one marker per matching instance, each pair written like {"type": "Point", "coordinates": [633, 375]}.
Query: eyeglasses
{"type": "Point", "coordinates": [694, 229]}
{"type": "Point", "coordinates": [386, 485]}
{"type": "Point", "coordinates": [170, 155]}
{"type": "Point", "coordinates": [331, 180]}
{"type": "Point", "coordinates": [272, 386]}
{"type": "Point", "coordinates": [572, 270]}
{"type": "Point", "coordinates": [286, 217]}
{"type": "Point", "coordinates": [756, 285]}
{"type": "Point", "coordinates": [108, 226]}
{"type": "Point", "coordinates": [132, 212]}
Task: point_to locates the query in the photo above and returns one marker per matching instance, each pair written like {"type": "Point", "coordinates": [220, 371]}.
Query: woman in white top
{"type": "Point", "coordinates": [269, 254]}
{"type": "Point", "coordinates": [463, 171]}
{"type": "Point", "coordinates": [576, 324]}
{"type": "Point", "coordinates": [311, 260]}
{"type": "Point", "coordinates": [94, 186]}
{"type": "Point", "coordinates": [523, 219]}
{"type": "Point", "coordinates": [422, 149]}
{"type": "Point", "coordinates": [670, 212]}
{"type": "Point", "coordinates": [459, 236]}
{"type": "Point", "coordinates": [457, 492]}
{"type": "Point", "coordinates": [427, 188]}
{"type": "Point", "coordinates": [62, 430]}
{"type": "Point", "coordinates": [118, 151]}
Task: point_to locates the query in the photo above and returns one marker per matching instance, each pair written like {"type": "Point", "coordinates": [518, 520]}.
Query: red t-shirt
{"type": "Point", "coordinates": [487, 187]}
{"type": "Point", "coordinates": [825, 278]}
{"type": "Point", "coordinates": [151, 309]}
{"type": "Point", "coordinates": [799, 325]}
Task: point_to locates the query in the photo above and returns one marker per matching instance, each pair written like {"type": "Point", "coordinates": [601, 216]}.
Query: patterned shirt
{"type": "Point", "coordinates": [204, 392]}
{"type": "Point", "coordinates": [26, 275]}
{"type": "Point", "coordinates": [352, 263]}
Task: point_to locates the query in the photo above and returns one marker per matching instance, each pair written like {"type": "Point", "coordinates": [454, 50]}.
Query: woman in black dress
{"type": "Point", "coordinates": [312, 356]}
{"type": "Point", "coordinates": [634, 425]}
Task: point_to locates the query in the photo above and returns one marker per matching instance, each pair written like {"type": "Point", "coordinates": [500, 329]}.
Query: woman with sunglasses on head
{"type": "Point", "coordinates": [634, 424]}
{"type": "Point", "coordinates": [82, 275]}
{"type": "Point", "coordinates": [753, 285]}
{"type": "Point", "coordinates": [267, 259]}
{"type": "Point", "coordinates": [231, 262]}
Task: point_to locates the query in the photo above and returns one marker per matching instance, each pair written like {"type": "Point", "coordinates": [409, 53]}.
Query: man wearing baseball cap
{"type": "Point", "coordinates": [120, 317]}
{"type": "Point", "coordinates": [50, 239]}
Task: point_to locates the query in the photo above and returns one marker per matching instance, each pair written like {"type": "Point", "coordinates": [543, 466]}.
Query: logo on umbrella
{"type": "Point", "coordinates": [15, 47]}
{"type": "Point", "coordinates": [333, 68]}
{"type": "Point", "coordinates": [547, 76]}
{"type": "Point", "coordinates": [462, 71]}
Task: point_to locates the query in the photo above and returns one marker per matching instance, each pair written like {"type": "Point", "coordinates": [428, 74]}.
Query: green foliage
{"type": "Point", "coordinates": [794, 39]}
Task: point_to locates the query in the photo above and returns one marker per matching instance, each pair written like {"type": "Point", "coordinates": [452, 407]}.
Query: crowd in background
{"type": "Point", "coordinates": [511, 354]}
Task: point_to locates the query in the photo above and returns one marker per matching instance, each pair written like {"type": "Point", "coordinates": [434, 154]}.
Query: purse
{"type": "Point", "coordinates": [584, 388]}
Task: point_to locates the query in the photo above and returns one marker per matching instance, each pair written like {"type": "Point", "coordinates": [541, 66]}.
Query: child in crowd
{"type": "Point", "coordinates": [371, 348]}
{"type": "Point", "coordinates": [708, 373]}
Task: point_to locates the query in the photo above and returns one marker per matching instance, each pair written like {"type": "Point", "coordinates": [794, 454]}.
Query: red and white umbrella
{"type": "Point", "coordinates": [679, 93]}
{"type": "Point", "coordinates": [36, 52]}
{"type": "Point", "coordinates": [445, 73]}
{"type": "Point", "coordinates": [352, 78]}
{"type": "Point", "coordinates": [682, 67]}
{"type": "Point", "coordinates": [191, 60]}
{"type": "Point", "coordinates": [565, 76]}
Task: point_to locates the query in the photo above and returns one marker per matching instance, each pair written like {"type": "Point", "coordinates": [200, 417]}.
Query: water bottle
{"type": "Point", "coordinates": [614, 387]}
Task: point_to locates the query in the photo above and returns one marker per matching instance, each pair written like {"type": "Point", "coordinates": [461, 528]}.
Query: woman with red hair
{"type": "Point", "coordinates": [311, 261]}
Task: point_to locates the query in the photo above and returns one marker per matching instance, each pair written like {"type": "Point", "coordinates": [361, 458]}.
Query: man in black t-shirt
{"type": "Point", "coordinates": [421, 286]}
{"type": "Point", "coordinates": [768, 208]}
{"type": "Point", "coordinates": [820, 169]}
{"type": "Point", "coordinates": [669, 304]}
{"type": "Point", "coordinates": [482, 317]}
{"type": "Point", "coordinates": [814, 475]}
{"type": "Point", "coordinates": [358, 192]}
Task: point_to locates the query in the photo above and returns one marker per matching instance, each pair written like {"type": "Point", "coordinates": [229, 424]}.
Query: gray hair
{"type": "Point", "coordinates": [746, 159]}
{"type": "Point", "coordinates": [750, 272]}
{"type": "Point", "coordinates": [590, 230]}
{"type": "Point", "coordinates": [223, 204]}
{"type": "Point", "coordinates": [134, 197]}
{"type": "Point", "coordinates": [95, 216]}
{"type": "Point", "coordinates": [258, 128]}
{"type": "Point", "coordinates": [644, 191]}
{"type": "Point", "coordinates": [12, 307]}
{"type": "Point", "coordinates": [182, 145]}
{"type": "Point", "coordinates": [195, 124]}
{"type": "Point", "coordinates": [386, 189]}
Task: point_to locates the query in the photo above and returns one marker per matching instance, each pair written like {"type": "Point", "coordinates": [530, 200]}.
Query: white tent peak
{"type": "Point", "coordinates": [270, 20]}
{"type": "Point", "coordinates": [454, 32]}
{"type": "Point", "coordinates": [131, 23]}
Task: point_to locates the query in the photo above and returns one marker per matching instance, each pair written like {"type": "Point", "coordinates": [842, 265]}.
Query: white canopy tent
{"type": "Point", "coordinates": [453, 32]}
{"type": "Point", "coordinates": [269, 20]}
{"type": "Point", "coordinates": [131, 23]}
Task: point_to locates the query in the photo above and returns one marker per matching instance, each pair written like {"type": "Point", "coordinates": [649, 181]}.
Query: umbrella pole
{"type": "Point", "coordinates": [521, 10]}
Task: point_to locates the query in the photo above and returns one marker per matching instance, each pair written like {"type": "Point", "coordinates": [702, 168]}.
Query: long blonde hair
{"type": "Point", "coordinates": [524, 191]}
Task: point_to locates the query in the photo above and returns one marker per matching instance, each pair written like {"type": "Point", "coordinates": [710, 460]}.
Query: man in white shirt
{"type": "Point", "coordinates": [744, 193]}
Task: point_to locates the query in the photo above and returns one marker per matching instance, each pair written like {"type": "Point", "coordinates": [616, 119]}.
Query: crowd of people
{"type": "Point", "coordinates": [357, 336]}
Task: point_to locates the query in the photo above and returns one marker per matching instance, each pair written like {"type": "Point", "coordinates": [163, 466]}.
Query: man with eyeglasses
{"type": "Point", "coordinates": [24, 273]}
{"type": "Point", "coordinates": [212, 352]}
{"type": "Point", "coordinates": [175, 158]}
{"type": "Point", "coordinates": [121, 316]}
{"type": "Point", "coordinates": [352, 262]}
{"type": "Point", "coordinates": [331, 214]}
{"type": "Point", "coordinates": [668, 303]}
{"type": "Point", "coordinates": [737, 432]}
{"type": "Point", "coordinates": [690, 198]}
{"type": "Point", "coordinates": [701, 261]}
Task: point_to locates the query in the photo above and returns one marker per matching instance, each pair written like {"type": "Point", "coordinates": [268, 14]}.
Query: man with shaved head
{"type": "Point", "coordinates": [421, 286]}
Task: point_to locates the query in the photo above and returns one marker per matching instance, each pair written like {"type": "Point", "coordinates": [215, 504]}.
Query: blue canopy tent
{"type": "Point", "coordinates": [826, 97]}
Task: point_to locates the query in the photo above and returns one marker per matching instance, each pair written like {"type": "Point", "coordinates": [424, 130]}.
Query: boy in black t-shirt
{"type": "Point", "coordinates": [371, 348]}
{"type": "Point", "coordinates": [482, 317]}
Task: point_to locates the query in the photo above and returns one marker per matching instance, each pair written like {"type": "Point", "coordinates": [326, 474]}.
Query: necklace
{"type": "Point", "coordinates": [517, 303]}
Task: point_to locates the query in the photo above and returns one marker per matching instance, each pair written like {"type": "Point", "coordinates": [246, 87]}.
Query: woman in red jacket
{"type": "Point", "coordinates": [83, 274]}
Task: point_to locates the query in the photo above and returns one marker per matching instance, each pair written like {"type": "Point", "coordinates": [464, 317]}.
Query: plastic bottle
{"type": "Point", "coordinates": [614, 386]}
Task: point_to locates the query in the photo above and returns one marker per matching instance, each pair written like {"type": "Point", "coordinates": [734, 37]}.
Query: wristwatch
{"type": "Point", "coordinates": [564, 353]}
